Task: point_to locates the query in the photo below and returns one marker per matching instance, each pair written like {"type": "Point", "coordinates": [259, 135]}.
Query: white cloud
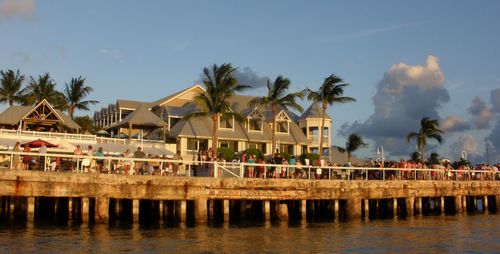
{"type": "Point", "coordinates": [405, 94]}
{"type": "Point", "coordinates": [454, 124]}
{"type": "Point", "coordinates": [424, 76]}
{"type": "Point", "coordinates": [17, 9]}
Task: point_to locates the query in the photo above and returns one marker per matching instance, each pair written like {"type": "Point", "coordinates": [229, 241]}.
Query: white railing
{"type": "Point", "coordinates": [168, 167]}
{"type": "Point", "coordinates": [40, 134]}
{"type": "Point", "coordinates": [103, 140]}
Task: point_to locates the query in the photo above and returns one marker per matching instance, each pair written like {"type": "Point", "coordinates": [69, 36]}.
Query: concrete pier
{"type": "Point", "coordinates": [100, 198]}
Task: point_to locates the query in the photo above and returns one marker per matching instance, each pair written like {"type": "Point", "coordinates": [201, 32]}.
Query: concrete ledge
{"type": "Point", "coordinates": [53, 184]}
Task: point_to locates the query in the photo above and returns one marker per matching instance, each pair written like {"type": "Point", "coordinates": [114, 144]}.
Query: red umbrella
{"type": "Point", "coordinates": [39, 143]}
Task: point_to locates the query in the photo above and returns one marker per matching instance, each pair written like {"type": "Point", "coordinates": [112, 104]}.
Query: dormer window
{"type": "Point", "coordinates": [255, 122]}
{"type": "Point", "coordinates": [226, 122]}
{"type": "Point", "coordinates": [282, 123]}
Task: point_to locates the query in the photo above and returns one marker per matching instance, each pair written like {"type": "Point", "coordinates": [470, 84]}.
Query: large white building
{"type": "Point", "coordinates": [163, 119]}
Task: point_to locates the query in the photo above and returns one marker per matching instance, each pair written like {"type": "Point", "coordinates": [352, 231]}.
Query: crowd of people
{"type": "Point", "coordinates": [254, 166]}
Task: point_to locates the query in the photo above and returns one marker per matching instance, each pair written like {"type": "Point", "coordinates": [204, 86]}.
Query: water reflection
{"type": "Point", "coordinates": [426, 234]}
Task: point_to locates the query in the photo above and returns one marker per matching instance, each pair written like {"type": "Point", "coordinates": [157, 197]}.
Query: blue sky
{"type": "Point", "coordinates": [144, 50]}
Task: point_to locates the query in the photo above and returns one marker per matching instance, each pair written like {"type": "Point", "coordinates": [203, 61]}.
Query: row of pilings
{"type": "Point", "coordinates": [103, 210]}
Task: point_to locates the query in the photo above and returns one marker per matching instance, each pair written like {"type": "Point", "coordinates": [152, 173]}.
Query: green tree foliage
{"type": "Point", "coordinates": [74, 94]}
{"type": "Point", "coordinates": [277, 96]}
{"type": "Point", "coordinates": [11, 87]}
{"type": "Point", "coordinates": [429, 129]}
{"type": "Point", "coordinates": [86, 123]}
{"type": "Point", "coordinates": [41, 88]}
{"type": "Point", "coordinates": [226, 153]}
{"type": "Point", "coordinates": [330, 92]}
{"type": "Point", "coordinates": [220, 87]}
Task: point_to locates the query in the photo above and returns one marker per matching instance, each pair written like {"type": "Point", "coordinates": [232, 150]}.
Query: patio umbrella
{"type": "Point", "coordinates": [121, 135]}
{"type": "Point", "coordinates": [103, 133]}
{"type": "Point", "coordinates": [39, 143]}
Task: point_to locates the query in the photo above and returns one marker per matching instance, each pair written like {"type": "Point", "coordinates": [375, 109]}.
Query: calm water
{"type": "Point", "coordinates": [433, 234]}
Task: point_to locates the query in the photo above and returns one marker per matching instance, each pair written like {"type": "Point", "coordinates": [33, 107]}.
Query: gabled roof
{"type": "Point", "coordinates": [314, 111]}
{"type": "Point", "coordinates": [129, 103]}
{"type": "Point", "coordinates": [14, 114]}
{"type": "Point", "coordinates": [166, 99]}
{"type": "Point", "coordinates": [143, 117]}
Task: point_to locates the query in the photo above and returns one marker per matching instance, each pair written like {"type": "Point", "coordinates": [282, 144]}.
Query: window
{"type": "Point", "coordinates": [226, 122]}
{"type": "Point", "coordinates": [174, 121]}
{"type": "Point", "coordinates": [255, 124]}
{"type": "Point", "coordinates": [229, 144]}
{"type": "Point", "coordinates": [259, 146]}
{"type": "Point", "coordinates": [196, 144]}
{"type": "Point", "coordinates": [282, 127]}
{"type": "Point", "coordinates": [286, 149]}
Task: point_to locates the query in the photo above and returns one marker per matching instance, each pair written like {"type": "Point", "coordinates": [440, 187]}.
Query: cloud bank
{"type": "Point", "coordinates": [405, 94]}
{"type": "Point", "coordinates": [482, 114]}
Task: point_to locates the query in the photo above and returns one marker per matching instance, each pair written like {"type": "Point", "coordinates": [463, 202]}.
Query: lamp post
{"type": "Point", "coordinates": [380, 154]}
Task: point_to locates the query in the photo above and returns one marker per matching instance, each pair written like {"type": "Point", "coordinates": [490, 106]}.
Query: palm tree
{"type": "Point", "coordinates": [429, 130]}
{"type": "Point", "coordinates": [354, 142]}
{"type": "Point", "coordinates": [220, 87]}
{"type": "Point", "coordinates": [74, 92]}
{"type": "Point", "coordinates": [11, 87]}
{"type": "Point", "coordinates": [276, 97]}
{"type": "Point", "coordinates": [329, 93]}
{"type": "Point", "coordinates": [43, 88]}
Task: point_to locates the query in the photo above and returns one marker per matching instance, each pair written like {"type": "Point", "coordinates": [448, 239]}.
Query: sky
{"type": "Point", "coordinates": [404, 60]}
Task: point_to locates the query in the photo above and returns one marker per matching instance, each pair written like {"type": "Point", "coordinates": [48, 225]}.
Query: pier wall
{"type": "Point", "coordinates": [99, 197]}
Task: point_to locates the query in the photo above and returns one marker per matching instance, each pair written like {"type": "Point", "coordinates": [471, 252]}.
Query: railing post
{"type": "Point", "coordinates": [78, 164]}
{"type": "Point", "coordinates": [265, 171]}
{"type": "Point", "coordinates": [216, 169]}
{"type": "Point", "coordinates": [383, 174]}
{"type": "Point", "coordinates": [242, 170]}
{"type": "Point", "coordinates": [11, 161]}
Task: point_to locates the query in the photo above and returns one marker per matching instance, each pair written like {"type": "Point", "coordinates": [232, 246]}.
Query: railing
{"type": "Point", "coordinates": [168, 167]}
{"type": "Point", "coordinates": [40, 134]}
{"type": "Point", "coordinates": [103, 140]}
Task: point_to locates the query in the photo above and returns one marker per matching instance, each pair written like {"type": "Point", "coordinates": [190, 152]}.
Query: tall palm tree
{"type": "Point", "coordinates": [429, 129]}
{"type": "Point", "coordinates": [276, 97]}
{"type": "Point", "coordinates": [220, 87]}
{"type": "Point", "coordinates": [11, 87]}
{"type": "Point", "coordinates": [43, 88]}
{"type": "Point", "coordinates": [354, 142]}
{"type": "Point", "coordinates": [74, 93]}
{"type": "Point", "coordinates": [330, 92]}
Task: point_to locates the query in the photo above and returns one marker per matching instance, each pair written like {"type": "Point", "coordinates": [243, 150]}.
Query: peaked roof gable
{"type": "Point", "coordinates": [33, 113]}
{"type": "Point", "coordinates": [167, 99]}
{"type": "Point", "coordinates": [314, 111]}
{"type": "Point", "coordinates": [142, 116]}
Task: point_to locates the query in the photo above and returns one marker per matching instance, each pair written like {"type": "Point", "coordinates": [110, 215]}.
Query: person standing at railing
{"type": "Point", "coordinates": [177, 157]}
{"type": "Point", "coordinates": [16, 158]}
{"type": "Point", "coordinates": [139, 165]}
{"type": "Point", "coordinates": [26, 158]}
{"type": "Point", "coordinates": [77, 152]}
{"type": "Point", "coordinates": [292, 162]}
{"type": "Point", "coordinates": [100, 162]}
{"type": "Point", "coordinates": [126, 163]}
{"type": "Point", "coordinates": [251, 160]}
{"type": "Point", "coordinates": [87, 162]}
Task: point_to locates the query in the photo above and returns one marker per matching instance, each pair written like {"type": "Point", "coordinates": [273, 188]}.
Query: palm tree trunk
{"type": "Point", "coordinates": [274, 108]}
{"type": "Point", "coordinates": [321, 134]}
{"type": "Point", "coordinates": [423, 156]}
{"type": "Point", "coordinates": [215, 126]}
{"type": "Point", "coordinates": [11, 101]}
{"type": "Point", "coordinates": [349, 156]}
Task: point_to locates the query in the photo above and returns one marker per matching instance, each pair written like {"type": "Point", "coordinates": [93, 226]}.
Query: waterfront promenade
{"type": "Point", "coordinates": [230, 195]}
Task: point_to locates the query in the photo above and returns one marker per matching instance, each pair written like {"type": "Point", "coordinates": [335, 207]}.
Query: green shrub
{"type": "Point", "coordinates": [311, 156]}
{"type": "Point", "coordinates": [286, 156]}
{"type": "Point", "coordinates": [252, 151]}
{"type": "Point", "coordinates": [227, 153]}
